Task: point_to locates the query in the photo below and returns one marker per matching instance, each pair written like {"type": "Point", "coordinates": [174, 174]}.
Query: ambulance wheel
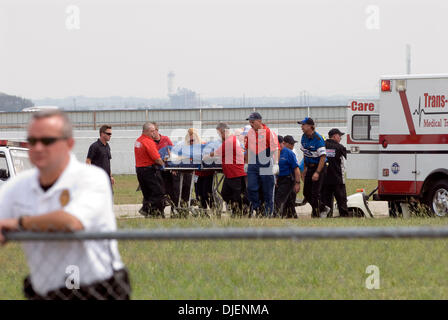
{"type": "Point", "coordinates": [437, 198]}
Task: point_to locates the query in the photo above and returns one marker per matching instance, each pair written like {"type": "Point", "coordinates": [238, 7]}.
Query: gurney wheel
{"type": "Point", "coordinates": [200, 213]}
{"type": "Point", "coordinates": [218, 203]}
{"type": "Point", "coordinates": [180, 213]}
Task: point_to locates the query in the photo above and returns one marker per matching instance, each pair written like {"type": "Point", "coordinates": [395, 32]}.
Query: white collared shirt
{"type": "Point", "coordinates": [90, 200]}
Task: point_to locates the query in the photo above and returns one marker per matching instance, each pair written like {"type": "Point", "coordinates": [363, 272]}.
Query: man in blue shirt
{"type": "Point", "coordinates": [288, 182]}
{"type": "Point", "coordinates": [314, 153]}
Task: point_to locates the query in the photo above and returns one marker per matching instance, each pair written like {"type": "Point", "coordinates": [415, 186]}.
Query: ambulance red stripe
{"type": "Point", "coordinates": [407, 112]}
{"type": "Point", "coordinates": [416, 139]}
{"type": "Point", "coordinates": [392, 187]}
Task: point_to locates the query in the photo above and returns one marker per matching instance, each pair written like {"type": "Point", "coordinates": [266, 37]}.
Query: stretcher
{"type": "Point", "coordinates": [186, 160]}
{"type": "Point", "coordinates": [190, 169]}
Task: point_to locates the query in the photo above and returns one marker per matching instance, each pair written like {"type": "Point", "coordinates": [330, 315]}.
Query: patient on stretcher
{"type": "Point", "coordinates": [190, 152]}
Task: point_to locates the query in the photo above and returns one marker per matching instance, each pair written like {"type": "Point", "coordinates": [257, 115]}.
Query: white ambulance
{"type": "Point", "coordinates": [13, 159]}
{"type": "Point", "coordinates": [402, 141]}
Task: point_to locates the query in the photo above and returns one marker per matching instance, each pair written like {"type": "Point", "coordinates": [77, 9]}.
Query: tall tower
{"type": "Point", "coordinates": [170, 83]}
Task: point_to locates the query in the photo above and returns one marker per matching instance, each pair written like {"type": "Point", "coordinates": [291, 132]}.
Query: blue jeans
{"type": "Point", "coordinates": [266, 182]}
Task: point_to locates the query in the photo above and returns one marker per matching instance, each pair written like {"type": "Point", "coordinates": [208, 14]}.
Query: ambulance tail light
{"type": "Point", "coordinates": [386, 86]}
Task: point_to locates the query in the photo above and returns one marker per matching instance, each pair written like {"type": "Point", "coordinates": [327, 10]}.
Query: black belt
{"type": "Point", "coordinates": [312, 165]}
{"type": "Point", "coordinates": [148, 169]}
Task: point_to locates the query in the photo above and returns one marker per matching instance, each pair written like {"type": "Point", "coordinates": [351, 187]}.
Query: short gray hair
{"type": "Point", "coordinates": [156, 126]}
{"type": "Point", "coordinates": [147, 125]}
{"type": "Point", "coordinates": [67, 127]}
{"type": "Point", "coordinates": [222, 126]}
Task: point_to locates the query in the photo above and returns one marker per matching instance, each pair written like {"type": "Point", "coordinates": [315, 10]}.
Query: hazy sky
{"type": "Point", "coordinates": [215, 47]}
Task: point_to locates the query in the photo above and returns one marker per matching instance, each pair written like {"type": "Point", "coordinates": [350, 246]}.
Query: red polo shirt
{"type": "Point", "coordinates": [232, 156]}
{"type": "Point", "coordinates": [163, 142]}
{"type": "Point", "coordinates": [145, 151]}
{"type": "Point", "coordinates": [258, 141]}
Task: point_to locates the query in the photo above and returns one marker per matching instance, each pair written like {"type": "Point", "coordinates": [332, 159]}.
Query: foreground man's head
{"type": "Point", "coordinates": [50, 139]}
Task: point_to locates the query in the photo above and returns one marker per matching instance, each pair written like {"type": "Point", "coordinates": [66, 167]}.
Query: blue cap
{"type": "Point", "coordinates": [307, 120]}
{"type": "Point", "coordinates": [254, 116]}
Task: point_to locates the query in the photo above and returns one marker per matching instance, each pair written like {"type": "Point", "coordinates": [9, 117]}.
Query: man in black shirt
{"type": "Point", "coordinates": [99, 151]}
{"type": "Point", "coordinates": [335, 181]}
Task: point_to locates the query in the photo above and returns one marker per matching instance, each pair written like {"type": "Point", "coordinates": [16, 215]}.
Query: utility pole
{"type": "Point", "coordinates": [305, 100]}
{"type": "Point", "coordinates": [408, 58]}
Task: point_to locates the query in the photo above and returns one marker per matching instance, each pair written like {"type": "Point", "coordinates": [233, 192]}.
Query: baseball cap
{"type": "Point", "coordinates": [254, 116]}
{"type": "Point", "coordinates": [334, 131]}
{"type": "Point", "coordinates": [307, 120]}
{"type": "Point", "coordinates": [289, 139]}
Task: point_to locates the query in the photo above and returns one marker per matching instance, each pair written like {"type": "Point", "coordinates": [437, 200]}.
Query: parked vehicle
{"type": "Point", "coordinates": [402, 141]}
{"type": "Point", "coordinates": [13, 159]}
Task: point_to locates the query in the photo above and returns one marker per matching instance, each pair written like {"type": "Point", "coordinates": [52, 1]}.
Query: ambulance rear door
{"type": "Point", "coordinates": [362, 139]}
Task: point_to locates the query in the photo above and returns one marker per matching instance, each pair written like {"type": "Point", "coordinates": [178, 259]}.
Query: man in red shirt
{"type": "Point", "coordinates": [170, 182]}
{"type": "Point", "coordinates": [232, 158]}
{"type": "Point", "coordinates": [147, 160]}
{"type": "Point", "coordinates": [261, 154]}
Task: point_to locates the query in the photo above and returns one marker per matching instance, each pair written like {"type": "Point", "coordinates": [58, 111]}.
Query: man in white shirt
{"type": "Point", "coordinates": [63, 194]}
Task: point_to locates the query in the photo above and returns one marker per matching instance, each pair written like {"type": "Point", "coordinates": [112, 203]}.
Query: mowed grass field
{"type": "Point", "coordinates": [267, 269]}
{"type": "Point", "coordinates": [270, 269]}
{"type": "Point", "coordinates": [126, 186]}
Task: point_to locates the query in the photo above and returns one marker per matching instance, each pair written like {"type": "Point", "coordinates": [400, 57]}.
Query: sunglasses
{"type": "Point", "coordinates": [46, 141]}
{"type": "Point", "coordinates": [108, 133]}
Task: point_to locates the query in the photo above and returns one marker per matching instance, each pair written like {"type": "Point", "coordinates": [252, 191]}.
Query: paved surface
{"type": "Point", "coordinates": [379, 210]}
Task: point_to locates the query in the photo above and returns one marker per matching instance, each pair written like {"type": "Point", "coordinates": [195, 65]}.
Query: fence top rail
{"type": "Point", "coordinates": [148, 108]}
{"type": "Point", "coordinates": [236, 233]}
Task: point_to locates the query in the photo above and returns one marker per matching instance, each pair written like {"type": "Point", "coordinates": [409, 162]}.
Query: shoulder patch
{"type": "Point", "coordinates": [331, 153]}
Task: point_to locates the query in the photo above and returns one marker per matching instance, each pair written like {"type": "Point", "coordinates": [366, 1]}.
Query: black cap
{"type": "Point", "coordinates": [334, 131]}
{"type": "Point", "coordinates": [307, 120]}
{"type": "Point", "coordinates": [280, 138]}
{"type": "Point", "coordinates": [254, 116]}
{"type": "Point", "coordinates": [289, 139]}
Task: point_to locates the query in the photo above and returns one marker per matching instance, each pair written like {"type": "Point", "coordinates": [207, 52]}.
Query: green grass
{"type": "Point", "coordinates": [126, 185]}
{"type": "Point", "coordinates": [266, 269]}
{"type": "Point", "coordinates": [269, 269]}
{"type": "Point", "coordinates": [125, 189]}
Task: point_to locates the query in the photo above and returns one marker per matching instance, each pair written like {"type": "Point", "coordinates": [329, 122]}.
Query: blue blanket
{"type": "Point", "coordinates": [191, 156]}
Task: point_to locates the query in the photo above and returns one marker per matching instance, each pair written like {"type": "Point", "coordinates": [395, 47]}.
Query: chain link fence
{"type": "Point", "coordinates": [275, 260]}
{"type": "Point", "coordinates": [80, 279]}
